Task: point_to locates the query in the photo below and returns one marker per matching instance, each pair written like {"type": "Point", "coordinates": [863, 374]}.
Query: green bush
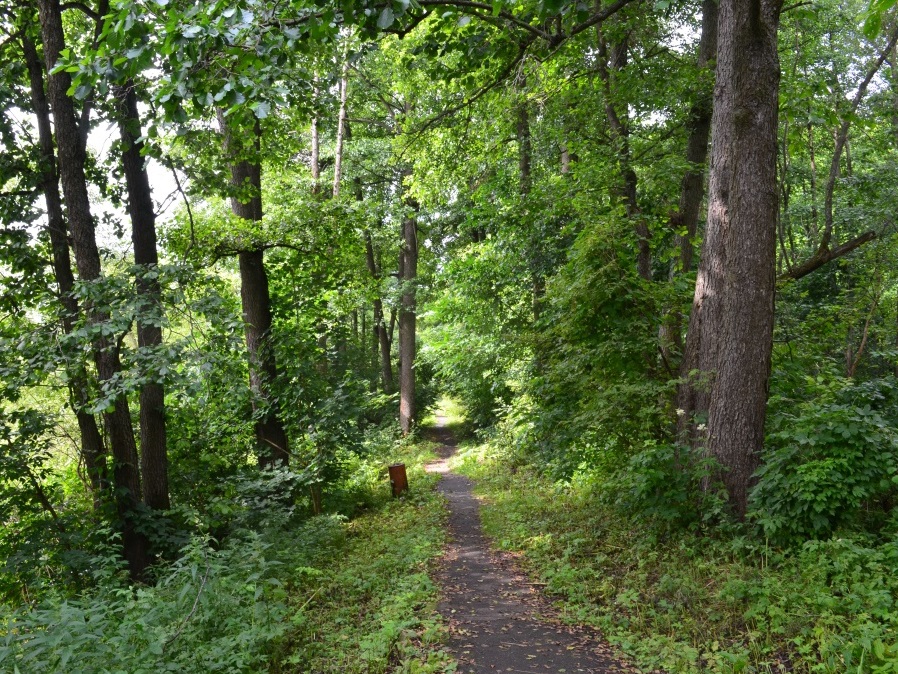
{"type": "Point", "coordinates": [827, 463]}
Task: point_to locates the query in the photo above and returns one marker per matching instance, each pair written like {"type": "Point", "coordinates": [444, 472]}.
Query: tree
{"type": "Point", "coordinates": [246, 203]}
{"type": "Point", "coordinates": [87, 259]}
{"type": "Point", "coordinates": [730, 335]}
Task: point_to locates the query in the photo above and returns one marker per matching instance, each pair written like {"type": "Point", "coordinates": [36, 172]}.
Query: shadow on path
{"type": "Point", "coordinates": [498, 621]}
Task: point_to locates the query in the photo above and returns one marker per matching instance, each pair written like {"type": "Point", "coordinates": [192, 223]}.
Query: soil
{"type": "Point", "coordinates": [498, 619]}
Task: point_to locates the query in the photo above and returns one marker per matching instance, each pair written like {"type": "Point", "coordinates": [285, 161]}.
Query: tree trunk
{"type": "Point", "coordinates": [92, 450]}
{"type": "Point", "coordinates": [731, 326]}
{"type": "Point", "coordinates": [153, 439]}
{"type": "Point", "coordinates": [525, 185]}
{"type": "Point", "coordinates": [610, 62]}
{"type": "Point", "coordinates": [271, 438]}
{"type": "Point", "coordinates": [692, 187]}
{"type": "Point", "coordinates": [315, 162]}
{"type": "Point", "coordinates": [341, 127]}
{"type": "Point", "coordinates": [407, 320]}
{"type": "Point", "coordinates": [87, 259]}
{"type": "Point", "coordinates": [380, 328]}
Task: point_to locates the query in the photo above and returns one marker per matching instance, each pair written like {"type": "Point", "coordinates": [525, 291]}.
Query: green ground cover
{"type": "Point", "coordinates": [332, 593]}
{"type": "Point", "coordinates": [690, 602]}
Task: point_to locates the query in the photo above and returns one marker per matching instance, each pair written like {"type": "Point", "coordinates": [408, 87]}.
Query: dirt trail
{"type": "Point", "coordinates": [498, 620]}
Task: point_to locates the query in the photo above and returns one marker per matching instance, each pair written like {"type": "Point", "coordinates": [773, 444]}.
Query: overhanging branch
{"type": "Point", "coordinates": [825, 256]}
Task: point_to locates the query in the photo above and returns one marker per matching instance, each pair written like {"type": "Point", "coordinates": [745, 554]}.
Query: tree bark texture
{"type": "Point", "coordinates": [87, 259]}
{"type": "Point", "coordinates": [407, 320]}
{"type": "Point", "coordinates": [731, 326]}
{"type": "Point", "coordinates": [153, 437]}
{"type": "Point", "coordinates": [271, 438]}
{"type": "Point", "coordinates": [93, 452]}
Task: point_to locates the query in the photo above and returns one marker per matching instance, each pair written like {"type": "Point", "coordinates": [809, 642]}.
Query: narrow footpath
{"type": "Point", "coordinates": [498, 620]}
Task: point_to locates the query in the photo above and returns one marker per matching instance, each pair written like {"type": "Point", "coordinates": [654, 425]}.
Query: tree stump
{"type": "Point", "coordinates": [398, 478]}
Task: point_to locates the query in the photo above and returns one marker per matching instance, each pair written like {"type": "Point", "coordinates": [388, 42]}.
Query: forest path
{"type": "Point", "coordinates": [498, 621]}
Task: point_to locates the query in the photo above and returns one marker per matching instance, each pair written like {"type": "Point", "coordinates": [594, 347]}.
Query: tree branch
{"type": "Point", "coordinates": [842, 138]}
{"type": "Point", "coordinates": [486, 88]}
{"type": "Point", "coordinates": [823, 257]}
{"type": "Point", "coordinates": [80, 6]}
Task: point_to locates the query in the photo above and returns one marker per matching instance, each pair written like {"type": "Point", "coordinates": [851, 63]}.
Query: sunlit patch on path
{"type": "Point", "coordinates": [498, 620]}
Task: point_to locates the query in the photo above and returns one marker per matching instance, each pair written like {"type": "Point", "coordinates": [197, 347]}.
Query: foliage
{"type": "Point", "coordinates": [289, 593]}
{"type": "Point", "coordinates": [831, 460]}
{"type": "Point", "coordinates": [683, 602]}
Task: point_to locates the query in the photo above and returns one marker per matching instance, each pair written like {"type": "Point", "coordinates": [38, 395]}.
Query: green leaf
{"type": "Point", "coordinates": [386, 18]}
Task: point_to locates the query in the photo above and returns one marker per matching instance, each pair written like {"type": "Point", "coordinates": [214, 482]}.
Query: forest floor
{"type": "Point", "coordinates": [498, 619]}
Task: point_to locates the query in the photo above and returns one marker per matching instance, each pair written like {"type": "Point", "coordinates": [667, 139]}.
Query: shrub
{"type": "Point", "coordinates": [828, 461]}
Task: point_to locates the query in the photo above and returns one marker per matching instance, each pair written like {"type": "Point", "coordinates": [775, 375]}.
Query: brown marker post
{"type": "Point", "coordinates": [398, 478]}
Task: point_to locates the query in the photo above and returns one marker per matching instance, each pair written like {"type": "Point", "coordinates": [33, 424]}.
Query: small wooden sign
{"type": "Point", "coordinates": [398, 478]}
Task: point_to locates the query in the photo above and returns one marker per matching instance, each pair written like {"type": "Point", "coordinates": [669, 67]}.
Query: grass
{"type": "Point", "coordinates": [369, 606]}
{"type": "Point", "coordinates": [283, 593]}
{"type": "Point", "coordinates": [687, 603]}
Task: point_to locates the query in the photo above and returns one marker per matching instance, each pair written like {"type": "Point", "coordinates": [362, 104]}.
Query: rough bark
{"type": "Point", "coordinates": [87, 259]}
{"type": "Point", "coordinates": [407, 320]}
{"type": "Point", "coordinates": [271, 437]}
{"type": "Point", "coordinates": [731, 326]}
{"type": "Point", "coordinates": [153, 436]}
{"type": "Point", "coordinates": [93, 452]}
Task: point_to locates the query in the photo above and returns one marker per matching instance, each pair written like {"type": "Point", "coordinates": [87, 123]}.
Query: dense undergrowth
{"type": "Point", "coordinates": [687, 600]}
{"type": "Point", "coordinates": [284, 592]}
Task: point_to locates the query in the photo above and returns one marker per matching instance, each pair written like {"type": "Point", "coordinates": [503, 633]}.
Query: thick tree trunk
{"type": "Point", "coordinates": [92, 450]}
{"type": "Point", "coordinates": [407, 320]}
{"type": "Point", "coordinates": [153, 438]}
{"type": "Point", "coordinates": [256, 304]}
{"type": "Point", "coordinates": [87, 259]}
{"type": "Point", "coordinates": [731, 327]}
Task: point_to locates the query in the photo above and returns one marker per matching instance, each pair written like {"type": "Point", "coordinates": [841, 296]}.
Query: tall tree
{"type": "Point", "coordinates": [692, 187]}
{"type": "Point", "coordinates": [153, 440]}
{"type": "Point", "coordinates": [92, 449]}
{"type": "Point", "coordinates": [71, 157]}
{"type": "Point", "coordinates": [408, 274]}
{"type": "Point", "coordinates": [246, 203]}
{"type": "Point", "coordinates": [731, 326]}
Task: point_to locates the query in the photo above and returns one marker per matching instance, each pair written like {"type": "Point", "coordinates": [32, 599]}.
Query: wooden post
{"type": "Point", "coordinates": [398, 478]}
